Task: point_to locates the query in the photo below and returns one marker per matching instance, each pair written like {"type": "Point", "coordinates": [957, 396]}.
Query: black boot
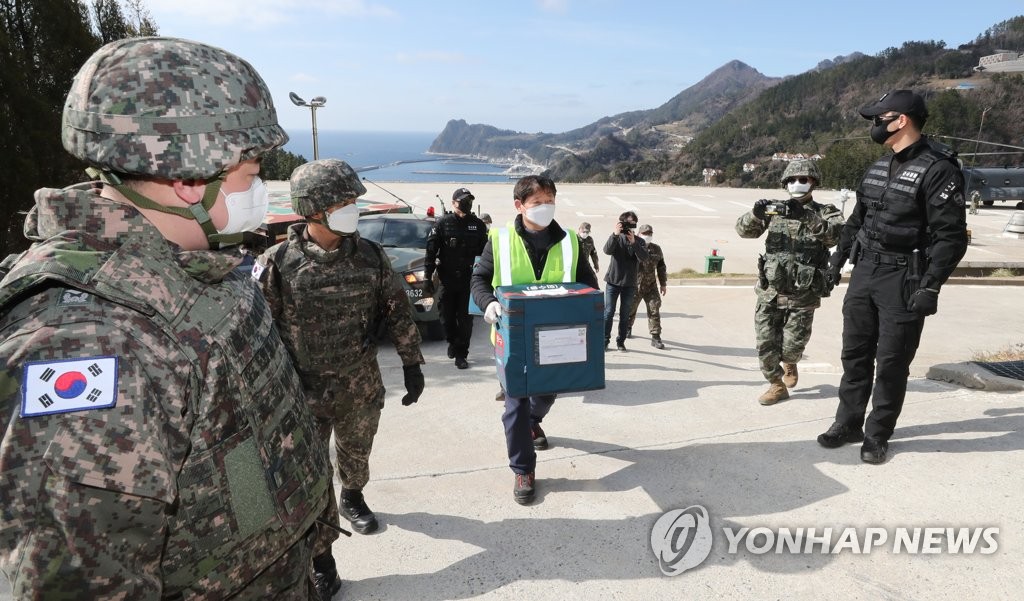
{"type": "Point", "coordinates": [354, 509]}
{"type": "Point", "coordinates": [325, 576]}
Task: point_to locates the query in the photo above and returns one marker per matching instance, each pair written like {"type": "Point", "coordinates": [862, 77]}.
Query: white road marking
{"type": "Point", "coordinates": [692, 204]}
{"type": "Point", "coordinates": [686, 216]}
{"type": "Point", "coordinates": [625, 205]}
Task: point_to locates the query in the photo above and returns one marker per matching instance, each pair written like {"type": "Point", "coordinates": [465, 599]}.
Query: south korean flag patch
{"type": "Point", "coordinates": [68, 385]}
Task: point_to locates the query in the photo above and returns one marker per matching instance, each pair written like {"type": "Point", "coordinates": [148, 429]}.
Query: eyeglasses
{"type": "Point", "coordinates": [801, 179]}
{"type": "Point", "coordinates": [881, 120]}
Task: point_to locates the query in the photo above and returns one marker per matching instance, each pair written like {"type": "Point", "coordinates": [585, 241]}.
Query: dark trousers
{"type": "Point", "coordinates": [519, 417]}
{"type": "Point", "coordinates": [458, 323]}
{"type": "Point", "coordinates": [880, 338]}
{"type": "Point", "coordinates": [613, 294]}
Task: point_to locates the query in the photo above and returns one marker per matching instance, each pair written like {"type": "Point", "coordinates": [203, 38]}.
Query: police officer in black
{"type": "Point", "coordinates": [905, 236]}
{"type": "Point", "coordinates": [455, 241]}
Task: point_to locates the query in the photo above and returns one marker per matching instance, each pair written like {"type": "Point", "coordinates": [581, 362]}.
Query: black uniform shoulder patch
{"type": "Point", "coordinates": [953, 192]}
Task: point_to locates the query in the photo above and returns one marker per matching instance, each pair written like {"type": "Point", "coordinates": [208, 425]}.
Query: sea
{"type": "Point", "coordinates": [389, 156]}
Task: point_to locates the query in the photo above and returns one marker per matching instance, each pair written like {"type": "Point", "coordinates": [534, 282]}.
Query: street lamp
{"type": "Point", "coordinates": [977, 142]}
{"type": "Point", "coordinates": [313, 104]}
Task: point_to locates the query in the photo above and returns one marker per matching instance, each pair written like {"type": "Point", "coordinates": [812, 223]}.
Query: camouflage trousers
{"type": "Point", "coordinates": [652, 297]}
{"type": "Point", "coordinates": [781, 335]}
{"type": "Point", "coordinates": [349, 406]}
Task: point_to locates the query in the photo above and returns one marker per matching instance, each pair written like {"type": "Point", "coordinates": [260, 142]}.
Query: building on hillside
{"type": "Point", "coordinates": [710, 173]}
{"type": "Point", "coordinates": [1002, 62]}
{"type": "Point", "coordinates": [749, 167]}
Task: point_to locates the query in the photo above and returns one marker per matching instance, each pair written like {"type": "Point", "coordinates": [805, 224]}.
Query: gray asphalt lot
{"type": "Point", "coordinates": [681, 427]}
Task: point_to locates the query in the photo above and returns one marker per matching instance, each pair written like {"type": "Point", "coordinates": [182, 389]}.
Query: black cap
{"type": "Point", "coordinates": [462, 194]}
{"type": "Point", "coordinates": [905, 102]}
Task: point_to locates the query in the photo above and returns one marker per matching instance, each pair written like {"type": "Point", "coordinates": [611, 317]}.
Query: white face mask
{"type": "Point", "coordinates": [246, 210]}
{"type": "Point", "coordinates": [647, 239]}
{"type": "Point", "coordinates": [541, 214]}
{"type": "Point", "coordinates": [584, 235]}
{"type": "Point", "coordinates": [796, 189]}
{"type": "Point", "coordinates": [344, 220]}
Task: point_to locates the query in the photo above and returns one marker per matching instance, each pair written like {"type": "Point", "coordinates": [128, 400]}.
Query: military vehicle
{"type": "Point", "coordinates": [996, 184]}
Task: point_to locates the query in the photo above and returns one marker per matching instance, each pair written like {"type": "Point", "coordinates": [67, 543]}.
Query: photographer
{"type": "Point", "coordinates": [791, 273]}
{"type": "Point", "coordinates": [626, 251]}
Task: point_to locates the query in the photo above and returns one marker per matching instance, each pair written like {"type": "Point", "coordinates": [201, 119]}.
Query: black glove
{"type": "Point", "coordinates": [413, 383]}
{"type": "Point", "coordinates": [759, 209]}
{"type": "Point", "coordinates": [795, 209]}
{"type": "Point", "coordinates": [428, 287]}
{"type": "Point", "coordinates": [835, 270]}
{"type": "Point", "coordinates": [924, 302]}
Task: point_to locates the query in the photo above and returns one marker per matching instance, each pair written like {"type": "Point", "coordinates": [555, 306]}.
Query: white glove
{"type": "Point", "coordinates": [493, 312]}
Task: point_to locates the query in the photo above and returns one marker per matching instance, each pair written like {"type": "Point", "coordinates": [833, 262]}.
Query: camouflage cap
{"type": "Point", "coordinates": [646, 229]}
{"type": "Point", "coordinates": [318, 185]}
{"type": "Point", "coordinates": [799, 167]}
{"type": "Point", "coordinates": [168, 108]}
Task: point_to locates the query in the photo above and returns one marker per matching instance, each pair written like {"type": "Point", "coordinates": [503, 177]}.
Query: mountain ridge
{"type": "Point", "coordinates": [736, 118]}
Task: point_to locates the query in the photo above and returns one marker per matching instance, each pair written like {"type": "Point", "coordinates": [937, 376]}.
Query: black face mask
{"type": "Point", "coordinates": [466, 206]}
{"type": "Point", "coordinates": [879, 133]}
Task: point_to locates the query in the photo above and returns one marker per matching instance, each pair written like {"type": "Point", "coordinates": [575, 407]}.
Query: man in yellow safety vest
{"type": "Point", "coordinates": [533, 249]}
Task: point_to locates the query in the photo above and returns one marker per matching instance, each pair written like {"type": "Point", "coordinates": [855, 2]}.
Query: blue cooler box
{"type": "Point", "coordinates": [473, 309]}
{"type": "Point", "coordinates": [550, 339]}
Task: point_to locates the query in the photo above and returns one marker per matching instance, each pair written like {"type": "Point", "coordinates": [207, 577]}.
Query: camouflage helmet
{"type": "Point", "coordinates": [798, 167]}
{"type": "Point", "coordinates": [318, 185]}
{"type": "Point", "coordinates": [168, 108]}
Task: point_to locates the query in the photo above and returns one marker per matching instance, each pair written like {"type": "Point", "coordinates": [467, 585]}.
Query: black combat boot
{"type": "Point", "coordinates": [354, 509]}
{"type": "Point", "coordinates": [325, 576]}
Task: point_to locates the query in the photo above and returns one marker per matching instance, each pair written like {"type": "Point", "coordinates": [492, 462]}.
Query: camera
{"type": "Point", "coordinates": [626, 225]}
{"type": "Point", "coordinates": [777, 207]}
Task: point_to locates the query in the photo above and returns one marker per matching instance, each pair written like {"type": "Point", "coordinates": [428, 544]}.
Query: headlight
{"type": "Point", "coordinates": [414, 277]}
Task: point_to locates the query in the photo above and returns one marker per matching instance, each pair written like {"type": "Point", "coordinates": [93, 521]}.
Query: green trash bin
{"type": "Point", "coordinates": [713, 263]}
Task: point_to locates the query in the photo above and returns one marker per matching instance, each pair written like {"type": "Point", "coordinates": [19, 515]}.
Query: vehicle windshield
{"type": "Point", "coordinates": [401, 233]}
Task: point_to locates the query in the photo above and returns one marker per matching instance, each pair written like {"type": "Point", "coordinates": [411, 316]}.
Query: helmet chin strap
{"type": "Point", "coordinates": [199, 211]}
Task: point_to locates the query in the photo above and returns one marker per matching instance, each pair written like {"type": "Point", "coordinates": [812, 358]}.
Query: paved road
{"type": "Point", "coordinates": [688, 221]}
{"type": "Point", "coordinates": [682, 427]}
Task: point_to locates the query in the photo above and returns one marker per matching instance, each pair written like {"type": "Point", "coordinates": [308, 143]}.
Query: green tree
{"type": "Point", "coordinates": [278, 164]}
{"type": "Point", "coordinates": [846, 161]}
{"type": "Point", "coordinates": [42, 45]}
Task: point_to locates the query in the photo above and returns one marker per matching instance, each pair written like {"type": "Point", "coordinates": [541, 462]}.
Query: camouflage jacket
{"type": "Point", "coordinates": [155, 440]}
{"type": "Point", "coordinates": [796, 253]}
{"type": "Point", "coordinates": [588, 250]}
{"type": "Point", "coordinates": [652, 273]}
{"type": "Point", "coordinates": [329, 305]}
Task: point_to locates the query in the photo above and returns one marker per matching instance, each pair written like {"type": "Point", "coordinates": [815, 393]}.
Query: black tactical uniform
{"type": "Point", "coordinates": [453, 244]}
{"type": "Point", "coordinates": [907, 231]}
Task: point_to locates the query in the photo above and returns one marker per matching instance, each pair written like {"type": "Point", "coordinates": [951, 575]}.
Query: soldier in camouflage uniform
{"type": "Point", "coordinates": [791, 273]}
{"type": "Point", "coordinates": [588, 250]}
{"type": "Point", "coordinates": [651, 285]}
{"type": "Point", "coordinates": [155, 438]}
{"type": "Point", "coordinates": [332, 293]}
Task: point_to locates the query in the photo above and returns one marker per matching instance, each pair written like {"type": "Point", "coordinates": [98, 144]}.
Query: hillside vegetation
{"type": "Point", "coordinates": [738, 116]}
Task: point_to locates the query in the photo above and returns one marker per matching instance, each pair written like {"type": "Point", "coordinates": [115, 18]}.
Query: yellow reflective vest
{"type": "Point", "coordinates": [512, 261]}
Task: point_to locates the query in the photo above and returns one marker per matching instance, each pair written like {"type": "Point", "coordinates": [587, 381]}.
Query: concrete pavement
{"type": "Point", "coordinates": [688, 220]}
{"type": "Point", "coordinates": [682, 427]}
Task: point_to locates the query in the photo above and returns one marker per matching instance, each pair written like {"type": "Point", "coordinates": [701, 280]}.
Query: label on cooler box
{"type": "Point", "coordinates": [560, 344]}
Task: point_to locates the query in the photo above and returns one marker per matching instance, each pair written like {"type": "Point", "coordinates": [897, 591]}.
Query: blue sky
{"type": "Point", "coordinates": [537, 65]}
